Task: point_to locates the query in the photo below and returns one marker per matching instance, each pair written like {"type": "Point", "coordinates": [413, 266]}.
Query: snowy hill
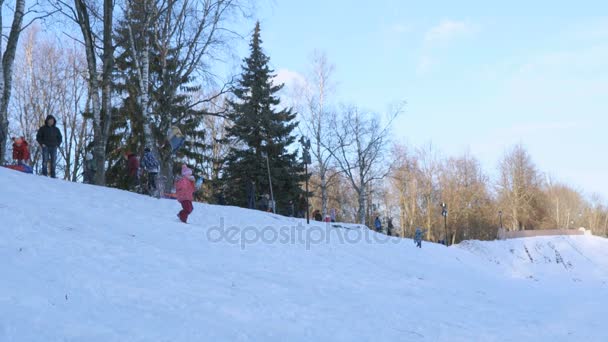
{"type": "Point", "coordinates": [84, 263]}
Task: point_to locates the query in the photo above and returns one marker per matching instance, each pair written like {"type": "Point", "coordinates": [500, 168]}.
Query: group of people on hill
{"type": "Point", "coordinates": [49, 139]}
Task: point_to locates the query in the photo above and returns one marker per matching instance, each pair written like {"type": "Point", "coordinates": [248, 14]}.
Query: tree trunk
{"type": "Point", "coordinates": [6, 71]}
{"type": "Point", "coordinates": [361, 211]}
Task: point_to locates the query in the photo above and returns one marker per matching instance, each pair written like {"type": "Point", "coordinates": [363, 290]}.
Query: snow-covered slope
{"type": "Point", "coordinates": [84, 263]}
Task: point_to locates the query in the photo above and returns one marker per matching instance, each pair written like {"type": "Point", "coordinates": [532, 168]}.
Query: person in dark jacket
{"type": "Point", "coordinates": [49, 137]}
{"type": "Point", "coordinates": [390, 227]}
{"type": "Point", "coordinates": [317, 215]}
{"type": "Point", "coordinates": [152, 167]}
{"type": "Point", "coordinates": [251, 194]}
{"type": "Point", "coordinates": [302, 207]}
{"type": "Point", "coordinates": [264, 202]}
{"type": "Point", "coordinates": [378, 224]}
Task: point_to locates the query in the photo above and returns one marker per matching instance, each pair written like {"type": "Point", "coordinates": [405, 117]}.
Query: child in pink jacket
{"type": "Point", "coordinates": [184, 190]}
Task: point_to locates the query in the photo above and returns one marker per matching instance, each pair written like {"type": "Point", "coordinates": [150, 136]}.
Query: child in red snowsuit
{"type": "Point", "coordinates": [184, 192]}
{"type": "Point", "coordinates": [21, 152]}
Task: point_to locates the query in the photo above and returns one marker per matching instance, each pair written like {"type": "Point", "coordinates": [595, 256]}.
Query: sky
{"type": "Point", "coordinates": [477, 76]}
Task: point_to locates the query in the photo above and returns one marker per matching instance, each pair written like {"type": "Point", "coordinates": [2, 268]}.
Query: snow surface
{"type": "Point", "coordinates": [85, 263]}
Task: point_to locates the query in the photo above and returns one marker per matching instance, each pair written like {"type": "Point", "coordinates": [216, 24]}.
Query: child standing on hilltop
{"type": "Point", "coordinates": [184, 191]}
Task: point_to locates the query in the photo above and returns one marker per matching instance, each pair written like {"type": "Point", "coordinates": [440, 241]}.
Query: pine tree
{"type": "Point", "coordinates": [261, 130]}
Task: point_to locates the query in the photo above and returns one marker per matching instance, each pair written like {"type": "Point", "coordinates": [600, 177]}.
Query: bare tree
{"type": "Point", "coordinates": [361, 143]}
{"type": "Point", "coordinates": [519, 188]}
{"type": "Point", "coordinates": [429, 165]}
{"type": "Point", "coordinates": [464, 187]}
{"type": "Point", "coordinates": [49, 80]}
{"type": "Point", "coordinates": [98, 47]}
{"type": "Point", "coordinates": [405, 181]}
{"type": "Point", "coordinates": [316, 119]}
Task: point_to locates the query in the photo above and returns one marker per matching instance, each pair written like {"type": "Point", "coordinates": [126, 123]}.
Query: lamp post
{"type": "Point", "coordinates": [307, 160]}
{"type": "Point", "coordinates": [444, 213]}
{"type": "Point", "coordinates": [500, 217]}
{"type": "Point", "coordinates": [273, 205]}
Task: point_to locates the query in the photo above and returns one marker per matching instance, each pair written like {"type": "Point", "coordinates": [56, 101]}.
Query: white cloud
{"type": "Point", "coordinates": [289, 78]}
{"type": "Point", "coordinates": [448, 30]}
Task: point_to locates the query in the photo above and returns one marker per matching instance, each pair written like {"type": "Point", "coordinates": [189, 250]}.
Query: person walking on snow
{"type": "Point", "coordinates": [89, 169]}
{"type": "Point", "coordinates": [152, 167]}
{"type": "Point", "coordinates": [251, 194]}
{"type": "Point", "coordinates": [184, 192]}
{"type": "Point", "coordinates": [133, 170]}
{"type": "Point", "coordinates": [49, 137]}
{"type": "Point", "coordinates": [418, 237]}
{"type": "Point", "coordinates": [378, 224]}
{"type": "Point", "coordinates": [21, 152]}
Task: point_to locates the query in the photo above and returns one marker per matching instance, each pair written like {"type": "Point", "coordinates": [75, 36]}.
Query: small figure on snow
{"type": "Point", "coordinates": [89, 169]}
{"type": "Point", "coordinates": [302, 208]}
{"type": "Point", "coordinates": [264, 202]}
{"type": "Point", "coordinates": [332, 214]}
{"type": "Point", "coordinates": [418, 237]}
{"type": "Point", "coordinates": [390, 227]}
{"type": "Point", "coordinates": [250, 194]}
{"type": "Point", "coordinates": [49, 137]}
{"type": "Point", "coordinates": [378, 224]}
{"type": "Point", "coordinates": [21, 152]}
{"type": "Point", "coordinates": [317, 215]}
{"type": "Point", "coordinates": [184, 192]}
{"type": "Point", "coordinates": [152, 167]}
{"type": "Point", "coordinates": [133, 170]}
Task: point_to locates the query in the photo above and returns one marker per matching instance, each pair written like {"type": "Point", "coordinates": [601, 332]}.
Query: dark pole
{"type": "Point", "coordinates": [307, 208]}
{"type": "Point", "coordinates": [307, 160]}
{"type": "Point", "coordinates": [444, 212]}
{"type": "Point", "coordinates": [445, 227]}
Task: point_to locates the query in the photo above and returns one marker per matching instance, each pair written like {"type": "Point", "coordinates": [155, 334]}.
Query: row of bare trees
{"type": "Point", "coordinates": [356, 172]}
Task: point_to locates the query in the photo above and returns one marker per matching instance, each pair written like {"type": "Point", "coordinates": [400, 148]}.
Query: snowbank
{"type": "Point", "coordinates": [84, 263]}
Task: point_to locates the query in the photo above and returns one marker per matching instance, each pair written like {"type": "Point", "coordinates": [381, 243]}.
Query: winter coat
{"type": "Point", "coordinates": [418, 235]}
{"type": "Point", "coordinates": [250, 188]}
{"type": "Point", "coordinates": [150, 163]}
{"type": "Point", "coordinates": [378, 223]}
{"type": "Point", "coordinates": [184, 189]}
{"type": "Point", "coordinates": [132, 165]}
{"type": "Point", "coordinates": [317, 215]}
{"type": "Point", "coordinates": [49, 135]}
{"type": "Point", "coordinates": [21, 152]}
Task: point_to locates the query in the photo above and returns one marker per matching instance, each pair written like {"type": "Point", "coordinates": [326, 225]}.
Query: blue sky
{"type": "Point", "coordinates": [478, 76]}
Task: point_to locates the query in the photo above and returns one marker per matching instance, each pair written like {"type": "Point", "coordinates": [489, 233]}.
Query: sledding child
{"type": "Point", "coordinates": [21, 152]}
{"type": "Point", "coordinates": [152, 167]}
{"type": "Point", "coordinates": [184, 192]}
{"type": "Point", "coordinates": [418, 237]}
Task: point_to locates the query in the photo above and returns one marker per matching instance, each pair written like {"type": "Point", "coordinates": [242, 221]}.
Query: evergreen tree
{"type": "Point", "coordinates": [170, 98]}
{"type": "Point", "coordinates": [259, 130]}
